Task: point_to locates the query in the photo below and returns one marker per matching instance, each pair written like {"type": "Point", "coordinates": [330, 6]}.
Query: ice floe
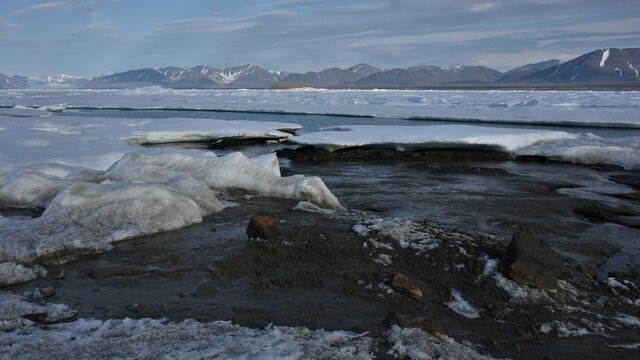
{"type": "Point", "coordinates": [402, 137]}
{"type": "Point", "coordinates": [557, 145]}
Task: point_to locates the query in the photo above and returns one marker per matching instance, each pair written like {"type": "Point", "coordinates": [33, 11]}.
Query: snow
{"type": "Point", "coordinates": [461, 306]}
{"type": "Point", "coordinates": [408, 234]}
{"type": "Point", "coordinates": [521, 294]}
{"type": "Point", "coordinates": [158, 339]}
{"type": "Point", "coordinates": [605, 56]}
{"type": "Point", "coordinates": [14, 310]}
{"type": "Point", "coordinates": [311, 207]}
{"type": "Point", "coordinates": [564, 329]}
{"type": "Point", "coordinates": [416, 344]}
{"type": "Point", "coordinates": [580, 108]}
{"type": "Point", "coordinates": [12, 273]}
{"type": "Point", "coordinates": [582, 148]}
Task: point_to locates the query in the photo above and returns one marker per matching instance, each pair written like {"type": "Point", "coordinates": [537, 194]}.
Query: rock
{"type": "Point", "coordinates": [402, 284]}
{"type": "Point", "coordinates": [261, 226]}
{"type": "Point", "coordinates": [531, 261]}
{"type": "Point", "coordinates": [49, 291]}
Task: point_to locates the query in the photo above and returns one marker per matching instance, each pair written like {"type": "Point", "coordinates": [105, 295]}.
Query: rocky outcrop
{"type": "Point", "coordinates": [530, 261]}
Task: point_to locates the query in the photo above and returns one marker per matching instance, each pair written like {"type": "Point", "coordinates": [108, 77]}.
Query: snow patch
{"type": "Point", "coordinates": [414, 343]}
{"type": "Point", "coordinates": [151, 339]}
{"type": "Point", "coordinates": [311, 207]}
{"type": "Point", "coordinates": [461, 306]}
{"type": "Point", "coordinates": [627, 320]}
{"type": "Point", "coordinates": [15, 309]}
{"type": "Point", "coordinates": [605, 56]}
{"type": "Point", "coordinates": [12, 273]}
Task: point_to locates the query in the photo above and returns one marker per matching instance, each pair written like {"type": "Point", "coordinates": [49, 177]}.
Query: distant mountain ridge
{"type": "Point", "coordinates": [198, 77]}
{"type": "Point", "coordinates": [600, 68]}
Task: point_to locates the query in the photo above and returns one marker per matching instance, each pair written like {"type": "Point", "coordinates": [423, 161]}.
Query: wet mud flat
{"type": "Point", "coordinates": [444, 221]}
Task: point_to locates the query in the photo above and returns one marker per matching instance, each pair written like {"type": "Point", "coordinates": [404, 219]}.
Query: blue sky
{"type": "Point", "coordinates": [92, 37]}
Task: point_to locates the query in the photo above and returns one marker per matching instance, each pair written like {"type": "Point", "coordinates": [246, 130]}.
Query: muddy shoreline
{"type": "Point", "coordinates": [320, 274]}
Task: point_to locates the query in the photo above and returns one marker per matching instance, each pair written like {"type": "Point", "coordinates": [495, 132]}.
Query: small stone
{"type": "Point", "coordinates": [531, 261]}
{"type": "Point", "coordinates": [49, 291]}
{"type": "Point", "coordinates": [402, 284]}
{"type": "Point", "coordinates": [261, 226]}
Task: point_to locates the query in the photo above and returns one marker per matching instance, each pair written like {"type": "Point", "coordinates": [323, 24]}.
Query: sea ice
{"type": "Point", "coordinates": [577, 108]}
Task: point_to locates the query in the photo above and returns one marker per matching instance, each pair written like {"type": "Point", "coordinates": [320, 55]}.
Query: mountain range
{"type": "Point", "coordinates": [600, 68]}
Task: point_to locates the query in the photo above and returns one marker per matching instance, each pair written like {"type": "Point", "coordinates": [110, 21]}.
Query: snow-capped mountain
{"type": "Point", "coordinates": [600, 67]}
{"type": "Point", "coordinates": [62, 80]}
{"type": "Point", "coordinates": [609, 67]}
{"type": "Point", "coordinates": [199, 77]}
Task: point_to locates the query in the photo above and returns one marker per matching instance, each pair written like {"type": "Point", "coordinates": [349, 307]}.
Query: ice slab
{"type": "Point", "coordinates": [427, 136]}
{"type": "Point", "coordinates": [582, 148]}
{"type": "Point", "coordinates": [140, 194]}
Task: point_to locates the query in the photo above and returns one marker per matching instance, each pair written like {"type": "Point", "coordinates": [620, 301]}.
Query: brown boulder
{"type": "Point", "coordinates": [261, 226]}
{"type": "Point", "coordinates": [530, 261]}
{"type": "Point", "coordinates": [402, 284]}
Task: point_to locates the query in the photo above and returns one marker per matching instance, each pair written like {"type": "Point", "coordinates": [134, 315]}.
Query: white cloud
{"type": "Point", "coordinates": [485, 7]}
{"type": "Point", "coordinates": [42, 9]}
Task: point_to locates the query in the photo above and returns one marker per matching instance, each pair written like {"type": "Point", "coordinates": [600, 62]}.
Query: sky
{"type": "Point", "coordinates": [94, 37]}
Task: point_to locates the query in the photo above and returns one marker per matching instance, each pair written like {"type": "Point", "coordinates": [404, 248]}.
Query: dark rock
{"type": "Point", "coordinates": [401, 283]}
{"type": "Point", "coordinates": [531, 261]}
{"type": "Point", "coordinates": [261, 226]}
{"type": "Point", "coordinates": [49, 291]}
